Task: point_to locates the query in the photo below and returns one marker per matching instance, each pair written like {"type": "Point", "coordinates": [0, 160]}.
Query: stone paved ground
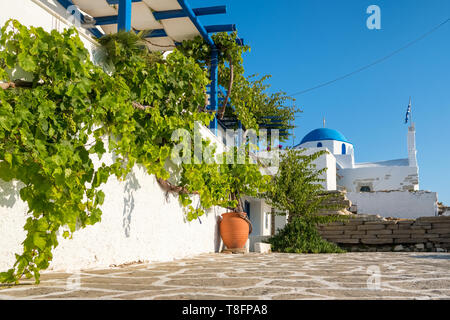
{"type": "Point", "coordinates": [255, 276]}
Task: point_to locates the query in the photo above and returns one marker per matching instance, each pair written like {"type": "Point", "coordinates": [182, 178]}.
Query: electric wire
{"type": "Point", "coordinates": [409, 44]}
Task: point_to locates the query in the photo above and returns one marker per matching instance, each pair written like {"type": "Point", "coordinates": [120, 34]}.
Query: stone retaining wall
{"type": "Point", "coordinates": [337, 202]}
{"type": "Point", "coordinates": [374, 233]}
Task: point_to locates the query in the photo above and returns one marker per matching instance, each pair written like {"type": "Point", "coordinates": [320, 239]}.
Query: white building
{"type": "Point", "coordinates": [388, 188]}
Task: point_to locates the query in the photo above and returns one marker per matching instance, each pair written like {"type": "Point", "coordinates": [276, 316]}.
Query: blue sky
{"type": "Point", "coordinates": [303, 43]}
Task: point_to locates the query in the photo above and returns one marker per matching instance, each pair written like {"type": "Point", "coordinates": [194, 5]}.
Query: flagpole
{"type": "Point", "coordinates": [293, 134]}
{"type": "Point", "coordinates": [411, 113]}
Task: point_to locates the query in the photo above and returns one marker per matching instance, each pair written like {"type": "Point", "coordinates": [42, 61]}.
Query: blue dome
{"type": "Point", "coordinates": [324, 134]}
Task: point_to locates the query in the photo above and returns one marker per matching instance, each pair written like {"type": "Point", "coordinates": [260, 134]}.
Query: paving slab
{"type": "Point", "coordinates": [355, 275]}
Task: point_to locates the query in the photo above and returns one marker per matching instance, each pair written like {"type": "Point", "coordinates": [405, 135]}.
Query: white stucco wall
{"type": "Point", "coordinates": [280, 222]}
{"type": "Point", "coordinates": [266, 219]}
{"type": "Point", "coordinates": [325, 161]}
{"type": "Point", "coordinates": [396, 204]}
{"type": "Point", "coordinates": [345, 160]}
{"type": "Point", "coordinates": [260, 217]}
{"type": "Point", "coordinates": [140, 222]}
{"type": "Point", "coordinates": [379, 178]}
{"type": "Point", "coordinates": [255, 216]}
{"type": "Point", "coordinates": [412, 151]}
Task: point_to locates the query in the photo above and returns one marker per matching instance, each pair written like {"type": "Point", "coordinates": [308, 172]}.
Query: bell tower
{"type": "Point", "coordinates": [412, 152]}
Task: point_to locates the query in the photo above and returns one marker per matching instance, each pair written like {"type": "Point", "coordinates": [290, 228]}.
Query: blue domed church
{"type": "Point", "coordinates": [389, 188]}
{"type": "Point", "coordinates": [399, 174]}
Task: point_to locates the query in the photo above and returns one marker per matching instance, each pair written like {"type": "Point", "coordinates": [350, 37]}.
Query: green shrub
{"type": "Point", "coordinates": [300, 235]}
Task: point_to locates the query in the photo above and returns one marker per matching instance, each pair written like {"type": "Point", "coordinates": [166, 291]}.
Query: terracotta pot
{"type": "Point", "coordinates": [234, 230]}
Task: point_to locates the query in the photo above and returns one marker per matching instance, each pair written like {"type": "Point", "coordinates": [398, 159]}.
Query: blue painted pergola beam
{"type": "Point", "coordinates": [100, 21]}
{"type": "Point", "coordinates": [124, 17]}
{"type": "Point", "coordinates": [157, 33]}
{"type": "Point", "coordinates": [117, 1]}
{"type": "Point", "coordinates": [214, 77]}
{"type": "Point", "coordinates": [164, 15]}
{"type": "Point", "coordinates": [204, 11]}
{"type": "Point", "coordinates": [171, 14]}
{"type": "Point", "coordinates": [220, 28]}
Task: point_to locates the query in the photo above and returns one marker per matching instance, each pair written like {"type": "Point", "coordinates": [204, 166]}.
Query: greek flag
{"type": "Point", "coordinates": [408, 112]}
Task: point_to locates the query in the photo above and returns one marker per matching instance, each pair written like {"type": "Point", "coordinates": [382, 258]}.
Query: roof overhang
{"type": "Point", "coordinates": [169, 22]}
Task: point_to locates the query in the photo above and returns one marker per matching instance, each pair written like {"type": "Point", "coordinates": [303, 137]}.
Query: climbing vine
{"type": "Point", "coordinates": [44, 137]}
{"type": "Point", "coordinates": [59, 111]}
{"type": "Point", "coordinates": [243, 97]}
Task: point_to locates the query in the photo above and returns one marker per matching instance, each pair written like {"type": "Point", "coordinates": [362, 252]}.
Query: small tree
{"type": "Point", "coordinates": [244, 178]}
{"type": "Point", "coordinates": [296, 190]}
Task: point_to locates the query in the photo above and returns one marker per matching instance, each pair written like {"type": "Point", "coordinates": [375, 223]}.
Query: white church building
{"type": "Point", "coordinates": [388, 188]}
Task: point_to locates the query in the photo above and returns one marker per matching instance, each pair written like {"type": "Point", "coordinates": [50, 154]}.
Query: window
{"type": "Point", "coordinates": [344, 149]}
{"type": "Point", "coordinates": [319, 145]}
{"type": "Point", "coordinates": [365, 189]}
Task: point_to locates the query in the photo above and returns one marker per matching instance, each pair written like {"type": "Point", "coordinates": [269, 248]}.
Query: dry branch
{"type": "Point", "coordinates": [139, 106]}
{"type": "Point", "coordinates": [230, 87]}
{"type": "Point", "coordinates": [7, 85]}
{"type": "Point", "coordinates": [166, 185]}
